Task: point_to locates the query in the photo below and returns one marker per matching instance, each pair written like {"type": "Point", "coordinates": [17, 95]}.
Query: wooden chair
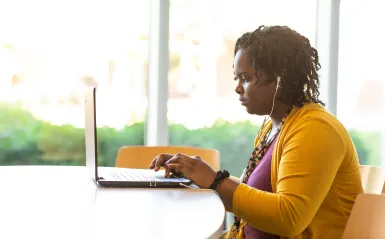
{"type": "Point", "coordinates": [141, 156]}
{"type": "Point", "coordinates": [373, 179]}
{"type": "Point", "coordinates": [367, 219]}
{"type": "Point", "coordinates": [383, 189]}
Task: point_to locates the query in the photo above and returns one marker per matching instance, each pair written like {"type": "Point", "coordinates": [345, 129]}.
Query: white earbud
{"type": "Point", "coordinates": [278, 82]}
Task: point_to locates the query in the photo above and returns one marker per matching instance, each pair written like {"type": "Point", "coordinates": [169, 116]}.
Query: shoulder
{"type": "Point", "coordinates": [313, 124]}
{"type": "Point", "coordinates": [313, 117]}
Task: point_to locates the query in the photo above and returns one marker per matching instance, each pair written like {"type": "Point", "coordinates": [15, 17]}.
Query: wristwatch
{"type": "Point", "coordinates": [221, 175]}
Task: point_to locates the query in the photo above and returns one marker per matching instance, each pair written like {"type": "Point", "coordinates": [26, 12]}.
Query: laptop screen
{"type": "Point", "coordinates": [90, 132]}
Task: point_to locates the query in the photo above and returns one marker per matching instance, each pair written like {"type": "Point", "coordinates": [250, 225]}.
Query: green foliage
{"type": "Point", "coordinates": [234, 141]}
{"type": "Point", "coordinates": [368, 146]}
{"type": "Point", "coordinates": [18, 133]}
{"type": "Point", "coordinates": [25, 140]}
{"type": "Point", "coordinates": [67, 144]}
{"type": "Point", "coordinates": [61, 143]}
{"type": "Point", "coordinates": [110, 140]}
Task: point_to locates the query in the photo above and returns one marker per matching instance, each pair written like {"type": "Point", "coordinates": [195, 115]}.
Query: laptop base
{"type": "Point", "coordinates": [127, 184]}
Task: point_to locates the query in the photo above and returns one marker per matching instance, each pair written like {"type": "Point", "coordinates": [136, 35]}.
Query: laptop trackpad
{"type": "Point", "coordinates": [160, 176]}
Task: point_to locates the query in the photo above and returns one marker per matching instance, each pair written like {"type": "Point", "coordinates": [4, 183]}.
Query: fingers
{"type": "Point", "coordinates": [174, 159]}
{"type": "Point", "coordinates": [164, 160]}
{"type": "Point", "coordinates": [177, 158]}
{"type": "Point", "coordinates": [160, 161]}
{"type": "Point", "coordinates": [173, 166]}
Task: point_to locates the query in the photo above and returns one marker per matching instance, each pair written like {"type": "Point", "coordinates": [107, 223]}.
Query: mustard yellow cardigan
{"type": "Point", "coordinates": [315, 178]}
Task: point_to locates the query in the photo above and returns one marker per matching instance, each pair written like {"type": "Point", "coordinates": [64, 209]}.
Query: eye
{"type": "Point", "coordinates": [244, 79]}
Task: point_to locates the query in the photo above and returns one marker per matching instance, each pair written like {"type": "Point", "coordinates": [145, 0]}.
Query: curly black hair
{"type": "Point", "coordinates": [283, 51]}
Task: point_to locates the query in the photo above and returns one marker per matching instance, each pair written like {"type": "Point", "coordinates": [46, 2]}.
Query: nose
{"type": "Point", "coordinates": [239, 89]}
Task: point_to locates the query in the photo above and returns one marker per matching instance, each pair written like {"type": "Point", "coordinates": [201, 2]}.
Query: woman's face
{"type": "Point", "coordinates": [255, 94]}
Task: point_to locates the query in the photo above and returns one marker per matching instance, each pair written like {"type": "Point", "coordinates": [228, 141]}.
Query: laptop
{"type": "Point", "coordinates": [118, 177]}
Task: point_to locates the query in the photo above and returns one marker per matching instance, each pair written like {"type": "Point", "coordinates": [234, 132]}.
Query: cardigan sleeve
{"type": "Point", "coordinates": [311, 155]}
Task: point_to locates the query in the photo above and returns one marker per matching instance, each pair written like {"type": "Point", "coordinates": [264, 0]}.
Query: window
{"type": "Point", "coordinates": [361, 85]}
{"type": "Point", "coordinates": [203, 109]}
{"type": "Point", "coordinates": [49, 51]}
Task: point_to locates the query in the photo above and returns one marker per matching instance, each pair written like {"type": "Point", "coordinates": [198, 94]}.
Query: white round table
{"type": "Point", "coordinates": [61, 202]}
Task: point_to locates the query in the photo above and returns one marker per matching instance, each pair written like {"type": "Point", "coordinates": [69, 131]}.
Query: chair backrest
{"type": "Point", "coordinates": [373, 179]}
{"type": "Point", "coordinates": [141, 156]}
{"type": "Point", "coordinates": [367, 218]}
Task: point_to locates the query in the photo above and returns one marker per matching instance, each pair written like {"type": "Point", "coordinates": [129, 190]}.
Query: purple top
{"type": "Point", "coordinates": [260, 179]}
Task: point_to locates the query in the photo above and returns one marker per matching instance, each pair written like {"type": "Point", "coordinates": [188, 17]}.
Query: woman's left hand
{"type": "Point", "coordinates": [192, 167]}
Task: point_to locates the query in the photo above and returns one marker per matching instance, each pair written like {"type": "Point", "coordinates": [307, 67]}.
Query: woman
{"type": "Point", "coordinates": [303, 176]}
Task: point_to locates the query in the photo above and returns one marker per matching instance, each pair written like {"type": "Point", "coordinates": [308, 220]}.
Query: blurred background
{"type": "Point", "coordinates": [51, 50]}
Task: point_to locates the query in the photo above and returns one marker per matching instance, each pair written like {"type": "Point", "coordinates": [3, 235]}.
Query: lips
{"type": "Point", "coordinates": [243, 102]}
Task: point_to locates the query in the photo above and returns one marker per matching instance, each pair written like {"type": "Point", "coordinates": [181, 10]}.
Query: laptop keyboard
{"type": "Point", "coordinates": [131, 176]}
